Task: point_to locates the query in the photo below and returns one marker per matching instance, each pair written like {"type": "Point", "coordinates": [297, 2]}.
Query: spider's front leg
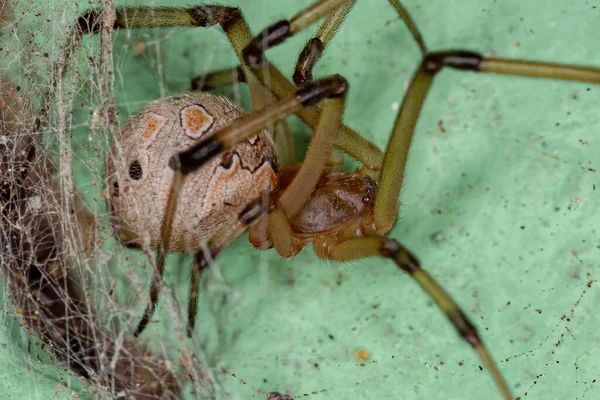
{"type": "Point", "coordinates": [314, 48]}
{"type": "Point", "coordinates": [396, 154]}
{"type": "Point", "coordinates": [389, 248]}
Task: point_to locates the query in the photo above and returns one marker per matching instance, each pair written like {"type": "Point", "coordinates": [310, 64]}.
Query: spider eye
{"type": "Point", "coordinates": [135, 170]}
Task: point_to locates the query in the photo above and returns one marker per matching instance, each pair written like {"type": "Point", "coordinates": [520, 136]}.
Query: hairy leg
{"type": "Point", "coordinates": [396, 154]}
{"type": "Point", "coordinates": [385, 247]}
{"type": "Point", "coordinates": [314, 48]}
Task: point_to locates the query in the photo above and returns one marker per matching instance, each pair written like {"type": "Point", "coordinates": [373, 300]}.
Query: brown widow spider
{"type": "Point", "coordinates": [232, 162]}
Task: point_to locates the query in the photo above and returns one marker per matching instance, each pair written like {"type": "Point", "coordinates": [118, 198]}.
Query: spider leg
{"type": "Point", "coordinates": [248, 219]}
{"type": "Point", "coordinates": [230, 19]}
{"type": "Point", "coordinates": [204, 257]}
{"type": "Point", "coordinates": [193, 294]}
{"type": "Point", "coordinates": [396, 154]}
{"type": "Point", "coordinates": [299, 190]}
{"type": "Point", "coordinates": [382, 246]}
{"type": "Point", "coordinates": [321, 146]}
{"type": "Point", "coordinates": [229, 76]}
{"type": "Point", "coordinates": [196, 156]}
{"type": "Point", "coordinates": [284, 144]}
{"type": "Point", "coordinates": [216, 79]}
{"type": "Point", "coordinates": [348, 140]}
{"type": "Point", "coordinates": [410, 24]}
{"type": "Point", "coordinates": [314, 48]}
{"type": "Point", "coordinates": [283, 135]}
{"type": "Point", "coordinates": [165, 230]}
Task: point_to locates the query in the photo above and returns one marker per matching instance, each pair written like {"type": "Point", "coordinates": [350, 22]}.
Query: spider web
{"type": "Point", "coordinates": [500, 204]}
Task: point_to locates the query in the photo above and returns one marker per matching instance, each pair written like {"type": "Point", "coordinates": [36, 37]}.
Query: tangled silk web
{"type": "Point", "coordinates": [64, 275]}
{"type": "Point", "coordinates": [512, 234]}
{"type": "Point", "coordinates": [50, 239]}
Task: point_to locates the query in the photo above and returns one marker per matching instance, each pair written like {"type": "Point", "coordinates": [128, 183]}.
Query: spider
{"type": "Point", "coordinates": [229, 158]}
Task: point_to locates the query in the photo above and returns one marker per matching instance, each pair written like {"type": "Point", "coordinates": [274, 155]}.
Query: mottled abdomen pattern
{"type": "Point", "coordinates": [138, 175]}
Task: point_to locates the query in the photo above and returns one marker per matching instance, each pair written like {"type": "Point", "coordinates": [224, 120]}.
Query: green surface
{"type": "Point", "coordinates": [501, 204]}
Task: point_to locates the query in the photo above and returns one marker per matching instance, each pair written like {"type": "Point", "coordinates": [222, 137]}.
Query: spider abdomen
{"type": "Point", "coordinates": [138, 174]}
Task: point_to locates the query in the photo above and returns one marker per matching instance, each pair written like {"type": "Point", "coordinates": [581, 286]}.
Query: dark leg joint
{"type": "Point", "coordinates": [458, 59]}
{"type": "Point", "coordinates": [330, 87]}
{"type": "Point", "coordinates": [465, 328]}
{"type": "Point", "coordinates": [210, 15]}
{"type": "Point", "coordinates": [254, 210]}
{"type": "Point", "coordinates": [271, 36]}
{"type": "Point", "coordinates": [394, 250]}
{"type": "Point", "coordinates": [201, 259]}
{"type": "Point", "coordinates": [307, 60]}
{"type": "Point", "coordinates": [195, 157]}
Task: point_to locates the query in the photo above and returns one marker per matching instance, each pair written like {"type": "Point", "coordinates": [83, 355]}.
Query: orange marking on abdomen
{"type": "Point", "coordinates": [152, 124]}
{"type": "Point", "coordinates": [266, 177]}
{"type": "Point", "coordinates": [196, 121]}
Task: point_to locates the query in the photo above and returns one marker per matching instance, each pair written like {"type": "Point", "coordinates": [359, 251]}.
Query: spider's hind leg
{"type": "Point", "coordinates": [381, 246]}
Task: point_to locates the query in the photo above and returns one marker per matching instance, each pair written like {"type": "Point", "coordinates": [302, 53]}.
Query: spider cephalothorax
{"type": "Point", "coordinates": [339, 208]}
